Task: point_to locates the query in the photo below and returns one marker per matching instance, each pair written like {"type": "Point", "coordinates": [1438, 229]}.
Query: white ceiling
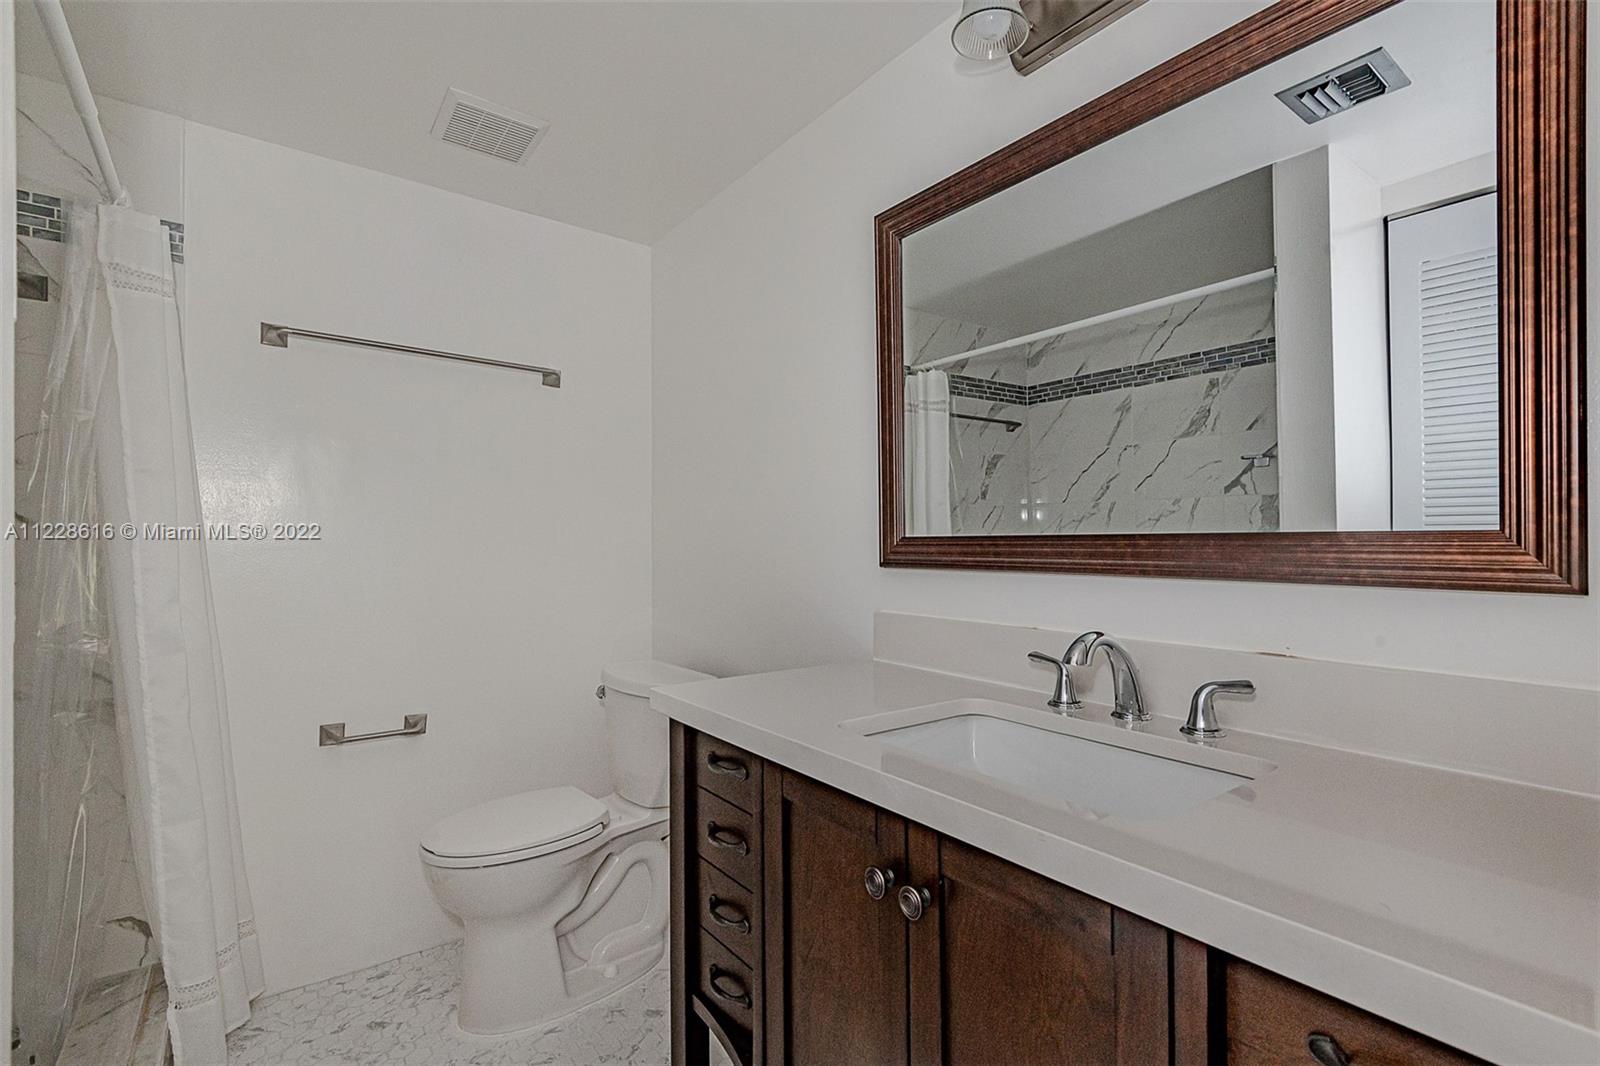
{"type": "Point", "coordinates": [654, 106]}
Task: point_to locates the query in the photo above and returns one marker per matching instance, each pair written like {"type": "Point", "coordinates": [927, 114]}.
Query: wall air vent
{"type": "Point", "coordinates": [1338, 90]}
{"type": "Point", "coordinates": [476, 124]}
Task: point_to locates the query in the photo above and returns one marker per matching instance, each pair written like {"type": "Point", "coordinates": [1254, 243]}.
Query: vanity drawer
{"type": "Point", "coordinates": [726, 771]}
{"type": "Point", "coordinates": [728, 838]}
{"type": "Point", "coordinates": [730, 912]}
{"type": "Point", "coordinates": [727, 984]}
{"type": "Point", "coordinates": [1272, 1020]}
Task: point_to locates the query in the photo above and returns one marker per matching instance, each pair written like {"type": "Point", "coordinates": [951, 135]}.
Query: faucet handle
{"type": "Point", "coordinates": [1202, 723]}
{"type": "Point", "coordinates": [1064, 696]}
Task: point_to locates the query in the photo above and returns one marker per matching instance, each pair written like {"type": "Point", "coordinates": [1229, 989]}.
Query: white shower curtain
{"type": "Point", "coordinates": [928, 454]}
{"type": "Point", "coordinates": [168, 676]}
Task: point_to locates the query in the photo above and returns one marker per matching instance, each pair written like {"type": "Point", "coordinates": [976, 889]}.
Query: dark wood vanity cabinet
{"type": "Point", "coordinates": [1007, 966]}
{"type": "Point", "coordinates": [791, 944]}
{"type": "Point", "coordinates": [836, 957]}
{"type": "Point", "coordinates": [791, 947]}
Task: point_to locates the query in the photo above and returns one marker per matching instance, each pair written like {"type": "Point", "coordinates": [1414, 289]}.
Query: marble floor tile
{"type": "Point", "coordinates": [150, 1044]}
{"type": "Point", "coordinates": [402, 1013]}
{"type": "Point", "coordinates": [120, 1022]}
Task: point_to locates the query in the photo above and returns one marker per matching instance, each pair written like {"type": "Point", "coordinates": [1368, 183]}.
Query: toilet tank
{"type": "Point", "coordinates": [637, 737]}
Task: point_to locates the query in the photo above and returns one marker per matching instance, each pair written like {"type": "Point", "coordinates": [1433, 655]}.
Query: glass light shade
{"type": "Point", "coordinates": [989, 29]}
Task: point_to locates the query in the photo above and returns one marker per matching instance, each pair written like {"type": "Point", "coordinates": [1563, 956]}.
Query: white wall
{"type": "Point", "coordinates": [1302, 239]}
{"type": "Point", "coordinates": [1474, 175]}
{"type": "Point", "coordinates": [765, 498]}
{"type": "Point", "coordinates": [1357, 270]}
{"type": "Point", "coordinates": [485, 540]}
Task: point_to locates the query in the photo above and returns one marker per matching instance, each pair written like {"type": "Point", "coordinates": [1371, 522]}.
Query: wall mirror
{"type": "Point", "coordinates": [1303, 303]}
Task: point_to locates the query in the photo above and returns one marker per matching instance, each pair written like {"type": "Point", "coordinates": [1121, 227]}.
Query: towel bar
{"type": "Point", "coordinates": [331, 733]}
{"type": "Point", "coordinates": [276, 336]}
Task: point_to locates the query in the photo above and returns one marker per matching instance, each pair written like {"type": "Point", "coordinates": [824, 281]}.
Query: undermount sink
{"type": "Point", "coordinates": [990, 753]}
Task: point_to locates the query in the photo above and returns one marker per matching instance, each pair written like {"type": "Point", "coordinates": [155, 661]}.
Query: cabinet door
{"type": "Point", "coordinates": [835, 957]}
{"type": "Point", "coordinates": [1007, 966]}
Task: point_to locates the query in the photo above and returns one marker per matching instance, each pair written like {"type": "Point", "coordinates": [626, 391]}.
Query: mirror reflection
{"type": "Point", "coordinates": [1274, 308]}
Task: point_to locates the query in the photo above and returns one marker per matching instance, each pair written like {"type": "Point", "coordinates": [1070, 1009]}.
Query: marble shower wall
{"type": "Point", "coordinates": [1159, 458]}
{"type": "Point", "coordinates": [1137, 425]}
{"type": "Point", "coordinates": [1140, 425]}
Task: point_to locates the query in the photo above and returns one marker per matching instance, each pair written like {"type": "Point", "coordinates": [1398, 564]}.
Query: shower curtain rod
{"type": "Point", "coordinates": [55, 27]}
{"type": "Point", "coordinates": [1095, 320]}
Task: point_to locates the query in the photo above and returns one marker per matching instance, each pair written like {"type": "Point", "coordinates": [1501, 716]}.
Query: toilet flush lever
{"type": "Point", "coordinates": [330, 734]}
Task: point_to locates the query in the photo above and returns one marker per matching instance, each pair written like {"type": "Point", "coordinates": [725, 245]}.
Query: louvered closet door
{"type": "Point", "coordinates": [1444, 366]}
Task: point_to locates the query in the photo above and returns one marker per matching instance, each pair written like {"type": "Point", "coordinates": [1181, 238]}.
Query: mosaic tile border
{"type": "Point", "coordinates": [984, 389]}
{"type": "Point", "coordinates": [44, 216]}
{"type": "Point", "coordinates": [174, 239]}
{"type": "Point", "coordinates": [39, 215]}
{"type": "Point", "coordinates": [1207, 361]}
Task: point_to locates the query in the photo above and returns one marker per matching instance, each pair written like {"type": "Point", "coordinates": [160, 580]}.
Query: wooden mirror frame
{"type": "Point", "coordinates": [1542, 542]}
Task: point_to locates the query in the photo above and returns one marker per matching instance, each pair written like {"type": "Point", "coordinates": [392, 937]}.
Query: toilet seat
{"type": "Point", "coordinates": [514, 828]}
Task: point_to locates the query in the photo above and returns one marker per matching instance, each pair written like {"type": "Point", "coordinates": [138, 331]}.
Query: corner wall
{"type": "Point", "coordinates": [764, 398]}
{"type": "Point", "coordinates": [485, 541]}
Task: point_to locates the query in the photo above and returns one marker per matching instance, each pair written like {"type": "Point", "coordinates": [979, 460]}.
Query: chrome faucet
{"type": "Point", "coordinates": [1128, 706]}
{"type": "Point", "coordinates": [1064, 698]}
{"type": "Point", "coordinates": [1202, 723]}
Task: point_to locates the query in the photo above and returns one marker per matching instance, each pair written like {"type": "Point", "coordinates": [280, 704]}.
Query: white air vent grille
{"type": "Point", "coordinates": [1338, 90]}
{"type": "Point", "coordinates": [1460, 357]}
{"type": "Point", "coordinates": [476, 124]}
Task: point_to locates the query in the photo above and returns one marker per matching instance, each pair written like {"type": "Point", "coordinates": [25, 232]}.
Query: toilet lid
{"type": "Point", "coordinates": [637, 678]}
{"type": "Point", "coordinates": [546, 819]}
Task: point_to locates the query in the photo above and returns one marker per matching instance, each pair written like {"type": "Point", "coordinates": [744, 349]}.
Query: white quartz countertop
{"type": "Point", "coordinates": [1462, 906]}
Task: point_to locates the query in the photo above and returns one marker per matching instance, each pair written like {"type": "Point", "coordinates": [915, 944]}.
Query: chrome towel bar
{"type": "Point", "coordinates": [275, 336]}
{"type": "Point", "coordinates": [331, 733]}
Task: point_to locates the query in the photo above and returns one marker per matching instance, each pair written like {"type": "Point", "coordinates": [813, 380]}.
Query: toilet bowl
{"type": "Point", "coordinates": [562, 896]}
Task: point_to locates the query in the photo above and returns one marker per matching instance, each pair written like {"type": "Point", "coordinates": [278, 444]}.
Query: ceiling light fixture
{"type": "Point", "coordinates": [989, 29]}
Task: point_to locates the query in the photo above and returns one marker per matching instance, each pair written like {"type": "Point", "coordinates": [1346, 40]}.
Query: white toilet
{"type": "Point", "coordinates": [563, 896]}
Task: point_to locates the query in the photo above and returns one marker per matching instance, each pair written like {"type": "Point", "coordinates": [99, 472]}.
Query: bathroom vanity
{"type": "Point", "coordinates": [813, 927]}
{"type": "Point", "coordinates": [840, 898]}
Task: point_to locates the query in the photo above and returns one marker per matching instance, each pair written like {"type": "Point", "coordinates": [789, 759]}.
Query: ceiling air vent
{"type": "Point", "coordinates": [1338, 90]}
{"type": "Point", "coordinates": [475, 123]}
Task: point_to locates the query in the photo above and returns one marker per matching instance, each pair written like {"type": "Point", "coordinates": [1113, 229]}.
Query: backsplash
{"type": "Point", "coordinates": [1421, 716]}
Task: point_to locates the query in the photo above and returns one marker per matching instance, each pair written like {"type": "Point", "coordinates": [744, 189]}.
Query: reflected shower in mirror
{"type": "Point", "coordinates": [1273, 308]}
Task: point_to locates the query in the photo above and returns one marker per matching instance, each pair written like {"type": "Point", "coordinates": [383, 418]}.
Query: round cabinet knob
{"type": "Point", "coordinates": [879, 881]}
{"type": "Point", "coordinates": [914, 902]}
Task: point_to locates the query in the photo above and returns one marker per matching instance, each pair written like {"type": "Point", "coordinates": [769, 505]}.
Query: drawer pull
{"type": "Point", "coordinates": [728, 915]}
{"type": "Point", "coordinates": [1326, 1050]}
{"type": "Point", "coordinates": [721, 764]}
{"type": "Point", "coordinates": [879, 880]}
{"type": "Point", "coordinates": [731, 839]}
{"type": "Point", "coordinates": [726, 986]}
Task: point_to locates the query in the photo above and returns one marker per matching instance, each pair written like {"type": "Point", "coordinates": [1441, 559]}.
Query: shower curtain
{"type": "Point", "coordinates": [928, 454]}
{"type": "Point", "coordinates": [71, 836]}
{"type": "Point", "coordinates": [167, 677]}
